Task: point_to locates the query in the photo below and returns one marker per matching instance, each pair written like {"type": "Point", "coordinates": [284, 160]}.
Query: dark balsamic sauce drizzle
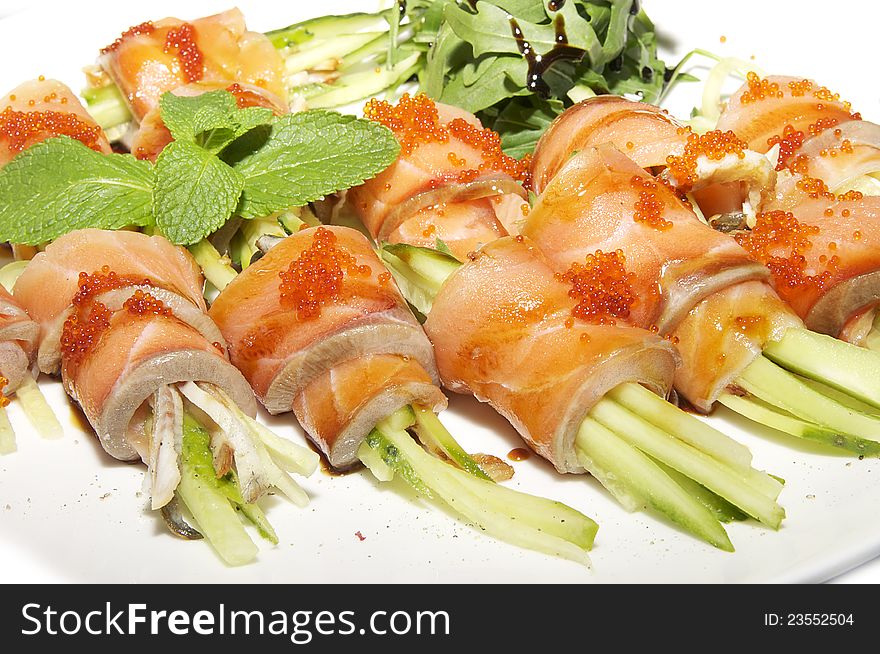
{"type": "Point", "coordinates": [401, 7]}
{"type": "Point", "coordinates": [635, 8]}
{"type": "Point", "coordinates": [537, 63]}
{"type": "Point", "coordinates": [555, 5]}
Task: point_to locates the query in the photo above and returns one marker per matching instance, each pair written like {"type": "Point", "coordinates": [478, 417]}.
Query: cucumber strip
{"type": "Point", "coordinates": [518, 518]}
{"type": "Point", "coordinates": [850, 369]}
{"type": "Point", "coordinates": [365, 84]}
{"type": "Point", "coordinates": [723, 510]}
{"type": "Point", "coordinates": [717, 477]}
{"type": "Point", "coordinates": [107, 106]}
{"type": "Point", "coordinates": [419, 272]}
{"type": "Point", "coordinates": [37, 409]}
{"type": "Point", "coordinates": [632, 473]}
{"type": "Point", "coordinates": [216, 268]}
{"type": "Point", "coordinates": [403, 418]}
{"type": "Point", "coordinates": [770, 416]}
{"type": "Point", "coordinates": [245, 241]}
{"type": "Point", "coordinates": [372, 459]}
{"type": "Point", "coordinates": [228, 485]}
{"type": "Point", "coordinates": [306, 58]}
{"type": "Point", "coordinates": [7, 434]}
{"type": "Point", "coordinates": [436, 437]}
{"type": "Point", "coordinates": [207, 503]}
{"type": "Point", "coordinates": [782, 389]}
{"type": "Point", "coordinates": [668, 417]}
{"type": "Point", "coordinates": [695, 432]}
{"type": "Point", "coordinates": [299, 35]}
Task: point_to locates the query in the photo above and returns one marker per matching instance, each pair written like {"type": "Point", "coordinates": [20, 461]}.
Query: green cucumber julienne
{"type": "Point", "coordinates": [645, 451]}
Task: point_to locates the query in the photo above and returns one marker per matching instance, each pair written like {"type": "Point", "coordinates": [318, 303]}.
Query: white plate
{"type": "Point", "coordinates": [70, 513]}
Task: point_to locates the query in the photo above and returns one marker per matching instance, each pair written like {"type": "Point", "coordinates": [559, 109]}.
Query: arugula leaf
{"type": "Point", "coordinates": [310, 155]}
{"type": "Point", "coordinates": [61, 185]}
{"type": "Point", "coordinates": [195, 192]}
{"type": "Point", "coordinates": [523, 122]}
{"type": "Point", "coordinates": [496, 82]}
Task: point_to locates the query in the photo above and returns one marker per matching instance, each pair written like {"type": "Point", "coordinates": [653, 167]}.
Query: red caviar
{"type": "Point", "coordinates": [181, 42]}
{"type": "Point", "coordinates": [146, 27]}
{"type": "Point", "coordinates": [777, 230]}
{"type": "Point", "coordinates": [144, 304]}
{"type": "Point", "coordinates": [90, 286]}
{"type": "Point", "coordinates": [22, 128]}
{"type": "Point", "coordinates": [649, 206]}
{"type": "Point", "coordinates": [790, 142]}
{"type": "Point", "coordinates": [317, 275]}
{"type": "Point", "coordinates": [79, 336]}
{"type": "Point", "coordinates": [602, 288]}
{"type": "Point", "coordinates": [415, 121]}
{"type": "Point", "coordinates": [715, 145]}
{"type": "Point", "coordinates": [4, 401]}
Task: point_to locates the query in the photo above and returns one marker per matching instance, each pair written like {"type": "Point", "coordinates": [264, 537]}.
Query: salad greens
{"type": "Point", "coordinates": [224, 162]}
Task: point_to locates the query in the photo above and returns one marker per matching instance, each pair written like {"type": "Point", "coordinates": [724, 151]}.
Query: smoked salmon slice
{"type": "Point", "coordinates": [503, 330]}
{"type": "Point", "coordinates": [447, 159]}
{"type": "Point", "coordinates": [601, 200]}
{"type": "Point", "coordinates": [41, 109]}
{"type": "Point", "coordinates": [343, 404]}
{"type": "Point", "coordinates": [645, 133]}
{"type": "Point", "coordinates": [132, 260]}
{"type": "Point", "coordinates": [153, 58]}
{"type": "Point", "coordinates": [766, 111]}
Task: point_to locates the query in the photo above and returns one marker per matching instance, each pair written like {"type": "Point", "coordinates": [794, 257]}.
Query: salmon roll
{"type": "Point", "coordinates": [122, 318]}
{"type": "Point", "coordinates": [155, 57]}
{"type": "Point", "coordinates": [41, 109]}
{"type": "Point", "coordinates": [18, 343]}
{"type": "Point", "coordinates": [451, 181]}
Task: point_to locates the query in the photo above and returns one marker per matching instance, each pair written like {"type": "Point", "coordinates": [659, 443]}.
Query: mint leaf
{"type": "Point", "coordinates": [195, 192]}
{"type": "Point", "coordinates": [211, 120]}
{"type": "Point", "coordinates": [61, 185]}
{"type": "Point", "coordinates": [309, 155]}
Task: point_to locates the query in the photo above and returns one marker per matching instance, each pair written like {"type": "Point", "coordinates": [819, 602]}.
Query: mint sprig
{"type": "Point", "coordinates": [61, 185]}
{"type": "Point", "coordinates": [224, 162]}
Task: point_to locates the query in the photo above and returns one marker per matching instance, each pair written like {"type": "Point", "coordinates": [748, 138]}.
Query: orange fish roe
{"type": "Point", "coordinates": [143, 304]}
{"type": "Point", "coordinates": [317, 275]}
{"type": "Point", "coordinates": [384, 278]}
{"type": "Point", "coordinates": [759, 89]}
{"type": "Point", "coordinates": [78, 337]}
{"type": "Point", "coordinates": [800, 88]}
{"type": "Point", "coordinates": [429, 231]}
{"type": "Point", "coordinates": [602, 288]}
{"type": "Point", "coordinates": [851, 195]}
{"type": "Point", "coordinates": [21, 128]}
{"type": "Point", "coordinates": [777, 230]}
{"type": "Point", "coordinates": [181, 42]}
{"type": "Point", "coordinates": [4, 401]}
{"type": "Point", "coordinates": [649, 207]}
{"type": "Point", "coordinates": [415, 121]}
{"type": "Point", "coordinates": [90, 286]}
{"type": "Point", "coordinates": [144, 28]}
{"type": "Point", "coordinates": [790, 142]}
{"type": "Point", "coordinates": [715, 145]}
{"type": "Point", "coordinates": [774, 229]}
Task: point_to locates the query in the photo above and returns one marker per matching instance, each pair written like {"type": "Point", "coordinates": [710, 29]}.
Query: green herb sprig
{"type": "Point", "coordinates": [223, 162]}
